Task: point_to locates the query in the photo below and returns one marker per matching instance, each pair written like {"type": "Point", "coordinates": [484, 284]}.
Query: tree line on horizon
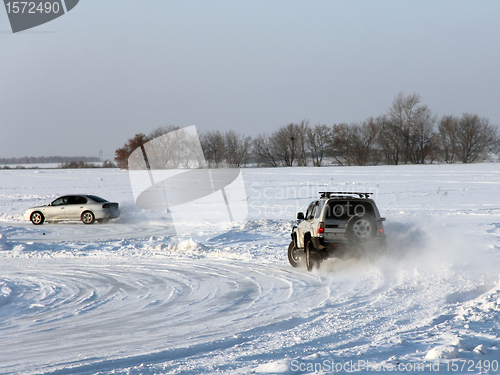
{"type": "Point", "coordinates": [409, 133]}
{"type": "Point", "coordinates": [49, 159]}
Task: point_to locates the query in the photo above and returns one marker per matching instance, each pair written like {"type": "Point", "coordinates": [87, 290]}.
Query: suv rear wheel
{"type": "Point", "coordinates": [311, 256]}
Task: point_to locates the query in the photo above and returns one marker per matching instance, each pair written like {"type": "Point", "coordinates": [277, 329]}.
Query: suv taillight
{"type": "Point", "coordinates": [321, 228]}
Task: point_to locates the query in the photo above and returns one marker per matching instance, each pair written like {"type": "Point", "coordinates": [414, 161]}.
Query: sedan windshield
{"type": "Point", "coordinates": [60, 201]}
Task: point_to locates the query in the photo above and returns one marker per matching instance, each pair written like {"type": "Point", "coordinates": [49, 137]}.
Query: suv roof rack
{"type": "Point", "coordinates": [329, 194]}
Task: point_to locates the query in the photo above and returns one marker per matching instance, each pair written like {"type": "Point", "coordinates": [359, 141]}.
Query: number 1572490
{"type": "Point", "coordinates": [32, 7]}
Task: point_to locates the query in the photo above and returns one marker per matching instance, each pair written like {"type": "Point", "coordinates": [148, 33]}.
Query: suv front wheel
{"type": "Point", "coordinates": [296, 257]}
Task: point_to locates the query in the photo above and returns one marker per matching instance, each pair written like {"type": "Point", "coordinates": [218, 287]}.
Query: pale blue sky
{"type": "Point", "coordinates": [107, 70]}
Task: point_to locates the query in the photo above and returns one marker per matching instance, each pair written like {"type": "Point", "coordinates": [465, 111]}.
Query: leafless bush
{"type": "Point", "coordinates": [475, 136]}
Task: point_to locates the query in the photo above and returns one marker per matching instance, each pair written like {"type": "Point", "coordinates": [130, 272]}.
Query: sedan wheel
{"type": "Point", "coordinates": [37, 218]}
{"type": "Point", "coordinates": [88, 217]}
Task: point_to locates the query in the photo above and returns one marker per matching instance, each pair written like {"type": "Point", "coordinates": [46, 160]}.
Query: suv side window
{"type": "Point", "coordinates": [308, 212]}
{"type": "Point", "coordinates": [311, 210]}
{"type": "Point", "coordinates": [314, 212]}
{"type": "Point", "coordinates": [318, 209]}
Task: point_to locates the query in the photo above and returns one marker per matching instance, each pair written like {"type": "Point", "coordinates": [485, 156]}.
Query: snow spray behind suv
{"type": "Point", "coordinates": [169, 173]}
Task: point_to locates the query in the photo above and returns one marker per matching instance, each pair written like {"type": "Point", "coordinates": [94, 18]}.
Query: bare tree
{"type": "Point", "coordinates": [389, 139]}
{"type": "Point", "coordinates": [448, 144]}
{"type": "Point", "coordinates": [355, 143]}
{"type": "Point", "coordinates": [341, 145]}
{"type": "Point", "coordinates": [403, 114]}
{"type": "Point", "coordinates": [214, 148]}
{"type": "Point", "coordinates": [475, 136]}
{"type": "Point", "coordinates": [363, 139]}
{"type": "Point", "coordinates": [317, 142]}
{"type": "Point", "coordinates": [162, 131]}
{"type": "Point", "coordinates": [166, 148]}
{"type": "Point", "coordinates": [284, 143]}
{"type": "Point", "coordinates": [435, 150]}
{"type": "Point", "coordinates": [300, 142]}
{"type": "Point", "coordinates": [122, 154]}
{"type": "Point", "coordinates": [171, 147]}
{"type": "Point", "coordinates": [237, 149]}
{"type": "Point", "coordinates": [408, 135]}
{"type": "Point", "coordinates": [422, 133]}
{"type": "Point", "coordinates": [263, 150]}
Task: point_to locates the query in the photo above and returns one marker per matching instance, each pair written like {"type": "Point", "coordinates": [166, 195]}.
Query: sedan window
{"type": "Point", "coordinates": [81, 200]}
{"type": "Point", "coordinates": [77, 200]}
{"type": "Point", "coordinates": [97, 199]}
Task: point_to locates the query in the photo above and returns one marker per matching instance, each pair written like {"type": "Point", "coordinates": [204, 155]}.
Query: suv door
{"type": "Point", "coordinates": [305, 226]}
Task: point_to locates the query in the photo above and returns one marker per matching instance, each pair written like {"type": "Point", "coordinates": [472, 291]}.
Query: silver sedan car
{"type": "Point", "coordinates": [87, 208]}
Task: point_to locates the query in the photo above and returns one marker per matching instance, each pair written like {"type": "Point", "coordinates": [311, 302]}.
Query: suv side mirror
{"type": "Point", "coordinates": [300, 216]}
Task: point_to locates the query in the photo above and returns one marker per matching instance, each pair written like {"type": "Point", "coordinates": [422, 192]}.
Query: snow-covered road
{"type": "Point", "coordinates": [87, 311]}
{"type": "Point", "coordinates": [127, 298]}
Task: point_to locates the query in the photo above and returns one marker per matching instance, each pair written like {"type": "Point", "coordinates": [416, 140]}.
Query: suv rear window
{"type": "Point", "coordinates": [344, 209]}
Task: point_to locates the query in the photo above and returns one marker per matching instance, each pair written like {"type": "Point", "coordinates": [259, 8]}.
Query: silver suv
{"type": "Point", "coordinates": [338, 224]}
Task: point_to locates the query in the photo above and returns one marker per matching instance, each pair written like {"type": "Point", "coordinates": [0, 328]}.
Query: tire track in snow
{"type": "Point", "coordinates": [77, 231]}
{"type": "Point", "coordinates": [83, 312]}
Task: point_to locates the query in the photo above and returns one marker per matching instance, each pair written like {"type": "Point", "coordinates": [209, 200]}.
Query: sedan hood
{"type": "Point", "coordinates": [34, 208]}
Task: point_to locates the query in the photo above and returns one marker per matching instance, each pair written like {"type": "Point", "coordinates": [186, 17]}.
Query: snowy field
{"type": "Point", "coordinates": [129, 297]}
